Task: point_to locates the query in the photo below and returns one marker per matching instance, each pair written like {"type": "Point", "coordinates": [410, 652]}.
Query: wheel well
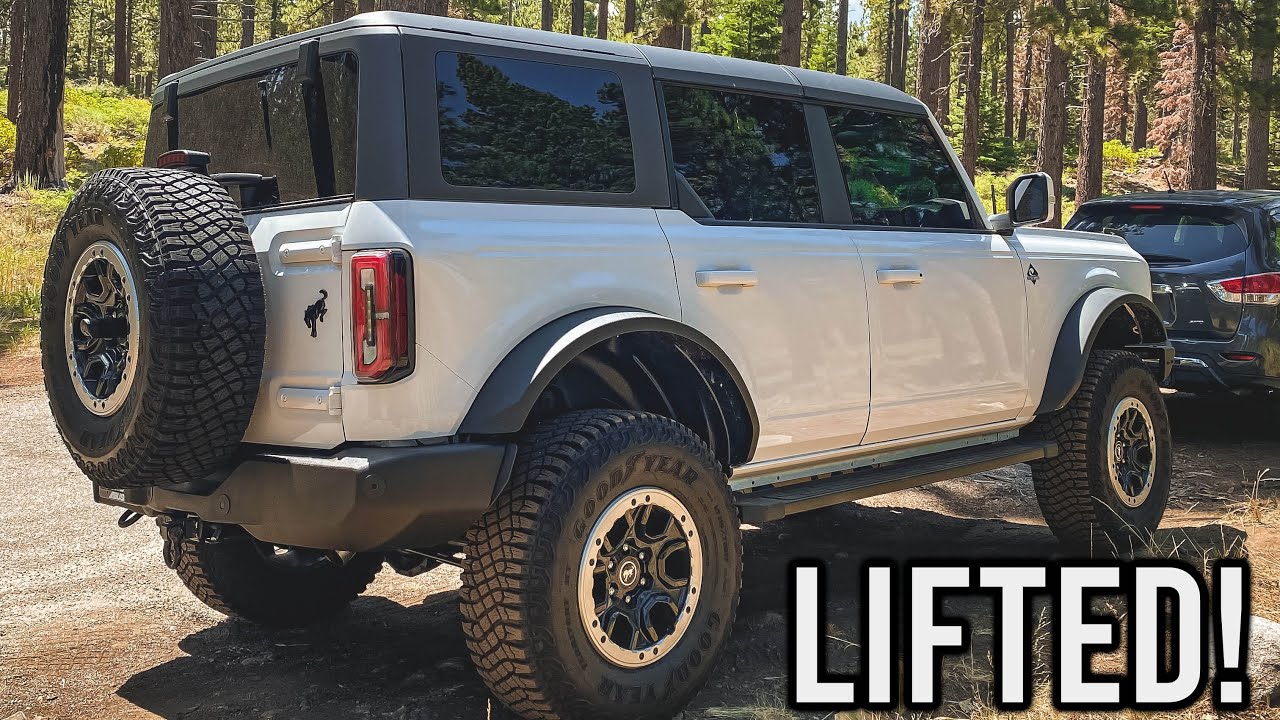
{"type": "Point", "coordinates": [1131, 327]}
{"type": "Point", "coordinates": [661, 373]}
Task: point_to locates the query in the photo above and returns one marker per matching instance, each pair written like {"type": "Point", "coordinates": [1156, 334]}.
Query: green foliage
{"type": "Point", "coordinates": [102, 113]}
{"type": "Point", "coordinates": [8, 141]}
{"type": "Point", "coordinates": [748, 29]}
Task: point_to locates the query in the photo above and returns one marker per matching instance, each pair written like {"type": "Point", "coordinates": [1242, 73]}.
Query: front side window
{"type": "Point", "coordinates": [746, 157]}
{"type": "Point", "coordinates": [259, 125]}
{"type": "Point", "coordinates": [520, 124]}
{"type": "Point", "coordinates": [897, 172]}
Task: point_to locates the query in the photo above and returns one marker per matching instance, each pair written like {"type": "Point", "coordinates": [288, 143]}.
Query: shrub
{"type": "Point", "coordinates": [8, 142]}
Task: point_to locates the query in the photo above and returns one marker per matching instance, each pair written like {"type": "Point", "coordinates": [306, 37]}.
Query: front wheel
{"type": "Point", "coordinates": [1107, 488]}
{"type": "Point", "coordinates": [604, 581]}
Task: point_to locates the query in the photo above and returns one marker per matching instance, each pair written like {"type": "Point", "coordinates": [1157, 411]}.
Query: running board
{"type": "Point", "coordinates": [775, 503]}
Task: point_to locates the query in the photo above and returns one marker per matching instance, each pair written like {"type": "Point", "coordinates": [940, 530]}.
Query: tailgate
{"type": "Point", "coordinates": [299, 251]}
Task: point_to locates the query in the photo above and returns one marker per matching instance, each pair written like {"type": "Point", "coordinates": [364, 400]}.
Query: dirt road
{"type": "Point", "coordinates": [93, 625]}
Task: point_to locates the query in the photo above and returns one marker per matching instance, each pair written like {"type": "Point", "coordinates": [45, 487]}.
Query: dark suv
{"type": "Point", "coordinates": [1215, 277]}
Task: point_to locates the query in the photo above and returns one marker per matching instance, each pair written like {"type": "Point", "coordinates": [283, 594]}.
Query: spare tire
{"type": "Point", "coordinates": [152, 327]}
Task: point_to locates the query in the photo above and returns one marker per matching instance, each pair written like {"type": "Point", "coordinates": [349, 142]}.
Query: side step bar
{"type": "Point", "coordinates": [775, 503]}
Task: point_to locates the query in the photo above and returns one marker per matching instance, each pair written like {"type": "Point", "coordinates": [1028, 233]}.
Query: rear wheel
{"type": "Point", "coordinates": [277, 586]}
{"type": "Point", "coordinates": [604, 581]}
{"type": "Point", "coordinates": [1107, 488]}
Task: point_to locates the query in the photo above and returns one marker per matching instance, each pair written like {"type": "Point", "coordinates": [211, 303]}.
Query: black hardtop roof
{"type": "Point", "coordinates": [665, 61]}
{"type": "Point", "coordinates": [1224, 198]}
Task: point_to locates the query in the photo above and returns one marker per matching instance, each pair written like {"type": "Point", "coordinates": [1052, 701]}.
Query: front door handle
{"type": "Point", "coordinates": [899, 277]}
{"type": "Point", "coordinates": [726, 278]}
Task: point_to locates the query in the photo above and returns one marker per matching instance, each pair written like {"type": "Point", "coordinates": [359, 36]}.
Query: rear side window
{"type": "Point", "coordinates": [1168, 234]}
{"type": "Point", "coordinates": [259, 125]}
{"type": "Point", "coordinates": [897, 172]}
{"type": "Point", "coordinates": [747, 157]}
{"type": "Point", "coordinates": [521, 124]}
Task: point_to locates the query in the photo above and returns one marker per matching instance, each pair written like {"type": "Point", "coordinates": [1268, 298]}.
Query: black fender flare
{"type": "Point", "coordinates": [507, 397]}
{"type": "Point", "coordinates": [1080, 330]}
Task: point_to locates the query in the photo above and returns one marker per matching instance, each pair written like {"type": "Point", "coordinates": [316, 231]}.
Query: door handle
{"type": "Point", "coordinates": [899, 277]}
{"type": "Point", "coordinates": [726, 278]}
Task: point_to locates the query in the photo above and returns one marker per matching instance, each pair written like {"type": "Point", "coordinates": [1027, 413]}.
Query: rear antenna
{"type": "Point", "coordinates": [1167, 181]}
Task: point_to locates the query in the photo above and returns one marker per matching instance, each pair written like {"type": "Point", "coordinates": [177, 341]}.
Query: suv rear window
{"type": "Point", "coordinates": [1168, 234]}
{"type": "Point", "coordinates": [258, 125]}
{"type": "Point", "coordinates": [508, 123]}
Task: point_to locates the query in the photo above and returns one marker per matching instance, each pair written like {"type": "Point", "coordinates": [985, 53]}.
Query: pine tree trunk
{"type": "Point", "coordinates": [341, 10]}
{"type": "Point", "coordinates": [206, 28]}
{"type": "Point", "coordinates": [1141, 121]}
{"type": "Point", "coordinates": [1257, 145]}
{"type": "Point", "coordinates": [1010, 45]}
{"type": "Point", "coordinates": [1202, 172]}
{"type": "Point", "coordinates": [973, 89]}
{"type": "Point", "coordinates": [901, 27]}
{"type": "Point", "coordinates": [602, 20]}
{"type": "Point", "coordinates": [548, 14]}
{"type": "Point", "coordinates": [364, 6]}
{"type": "Point", "coordinates": [38, 154]}
{"type": "Point", "coordinates": [842, 37]}
{"type": "Point", "coordinates": [17, 14]}
{"type": "Point", "coordinates": [274, 30]}
{"type": "Point", "coordinates": [792, 19]}
{"type": "Point", "coordinates": [890, 38]}
{"type": "Point", "coordinates": [1237, 126]}
{"type": "Point", "coordinates": [248, 20]}
{"type": "Point", "coordinates": [1053, 111]}
{"type": "Point", "coordinates": [1028, 74]}
{"type": "Point", "coordinates": [120, 70]}
{"type": "Point", "coordinates": [670, 36]}
{"type": "Point", "coordinates": [1089, 164]}
{"type": "Point", "coordinates": [575, 18]}
{"type": "Point", "coordinates": [628, 17]}
{"type": "Point", "coordinates": [933, 66]}
{"type": "Point", "coordinates": [177, 49]}
{"type": "Point", "coordinates": [90, 37]}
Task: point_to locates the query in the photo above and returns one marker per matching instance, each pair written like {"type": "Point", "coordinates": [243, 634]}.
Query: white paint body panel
{"type": "Point", "coordinates": [799, 336]}
{"type": "Point", "coordinates": [832, 358]}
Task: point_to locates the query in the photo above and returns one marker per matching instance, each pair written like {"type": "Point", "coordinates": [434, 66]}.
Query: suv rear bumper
{"type": "Point", "coordinates": [357, 499]}
{"type": "Point", "coordinates": [1199, 366]}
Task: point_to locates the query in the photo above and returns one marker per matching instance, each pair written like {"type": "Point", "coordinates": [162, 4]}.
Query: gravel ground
{"type": "Point", "coordinates": [93, 625]}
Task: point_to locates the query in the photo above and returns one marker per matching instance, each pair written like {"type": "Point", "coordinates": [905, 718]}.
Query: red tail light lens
{"type": "Point", "coordinates": [1263, 289]}
{"type": "Point", "coordinates": [1240, 356]}
{"type": "Point", "coordinates": [381, 315]}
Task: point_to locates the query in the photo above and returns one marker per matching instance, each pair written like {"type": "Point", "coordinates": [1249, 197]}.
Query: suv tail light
{"type": "Point", "coordinates": [381, 316]}
{"type": "Point", "coordinates": [1261, 289]}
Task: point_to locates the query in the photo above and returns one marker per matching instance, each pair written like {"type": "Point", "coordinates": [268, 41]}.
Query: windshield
{"type": "Point", "coordinates": [1168, 234]}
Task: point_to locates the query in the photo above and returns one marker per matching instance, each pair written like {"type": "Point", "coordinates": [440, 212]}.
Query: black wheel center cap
{"type": "Point", "coordinates": [628, 573]}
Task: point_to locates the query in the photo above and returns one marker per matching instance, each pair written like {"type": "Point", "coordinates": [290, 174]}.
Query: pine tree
{"type": "Point", "coordinates": [792, 19]}
{"type": "Point", "coordinates": [1202, 161]}
{"type": "Point", "coordinates": [973, 89]}
{"type": "Point", "coordinates": [38, 155]}
{"type": "Point", "coordinates": [1258, 143]}
{"type": "Point", "coordinates": [1053, 111]}
{"type": "Point", "coordinates": [1089, 164]}
{"type": "Point", "coordinates": [933, 66]}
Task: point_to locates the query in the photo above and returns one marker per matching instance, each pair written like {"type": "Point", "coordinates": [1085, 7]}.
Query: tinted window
{"type": "Point", "coordinates": [1168, 235]}
{"type": "Point", "coordinates": [259, 125]}
{"type": "Point", "coordinates": [520, 124]}
{"type": "Point", "coordinates": [746, 157]}
{"type": "Point", "coordinates": [897, 171]}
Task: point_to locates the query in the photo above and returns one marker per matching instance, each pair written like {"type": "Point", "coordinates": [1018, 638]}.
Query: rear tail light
{"type": "Point", "coordinates": [1261, 289]}
{"type": "Point", "coordinates": [381, 315]}
{"type": "Point", "coordinates": [1240, 356]}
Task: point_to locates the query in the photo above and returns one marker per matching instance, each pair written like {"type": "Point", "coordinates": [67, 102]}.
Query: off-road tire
{"type": "Point", "coordinates": [1074, 488]}
{"type": "Point", "coordinates": [519, 579]}
{"type": "Point", "coordinates": [234, 577]}
{"type": "Point", "coordinates": [200, 300]}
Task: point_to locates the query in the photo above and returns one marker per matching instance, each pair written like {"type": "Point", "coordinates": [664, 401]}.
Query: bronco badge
{"type": "Point", "coordinates": [315, 313]}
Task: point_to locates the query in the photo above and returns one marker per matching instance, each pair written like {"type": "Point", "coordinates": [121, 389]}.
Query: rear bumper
{"type": "Point", "coordinates": [1200, 367]}
{"type": "Point", "coordinates": [356, 499]}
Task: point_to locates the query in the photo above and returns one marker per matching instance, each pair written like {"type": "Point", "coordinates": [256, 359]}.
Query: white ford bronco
{"type": "Point", "coordinates": [408, 290]}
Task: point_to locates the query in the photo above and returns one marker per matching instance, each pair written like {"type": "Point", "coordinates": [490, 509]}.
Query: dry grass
{"type": "Point", "coordinates": [27, 221]}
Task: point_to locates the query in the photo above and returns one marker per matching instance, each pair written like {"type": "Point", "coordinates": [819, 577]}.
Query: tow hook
{"type": "Point", "coordinates": [128, 517]}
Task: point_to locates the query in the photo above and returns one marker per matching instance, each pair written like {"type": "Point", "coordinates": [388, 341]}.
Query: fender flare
{"type": "Point", "coordinates": [1075, 341]}
{"type": "Point", "coordinates": [507, 397]}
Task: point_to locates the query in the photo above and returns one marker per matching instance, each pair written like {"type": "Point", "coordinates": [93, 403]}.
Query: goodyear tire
{"type": "Point", "coordinates": [152, 327]}
{"type": "Point", "coordinates": [1106, 490]}
{"type": "Point", "coordinates": [605, 579]}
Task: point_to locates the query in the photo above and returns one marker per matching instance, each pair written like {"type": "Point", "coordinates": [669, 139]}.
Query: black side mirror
{"type": "Point", "coordinates": [1030, 199]}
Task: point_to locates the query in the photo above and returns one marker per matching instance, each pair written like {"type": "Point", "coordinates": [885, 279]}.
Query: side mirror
{"type": "Point", "coordinates": [1029, 200]}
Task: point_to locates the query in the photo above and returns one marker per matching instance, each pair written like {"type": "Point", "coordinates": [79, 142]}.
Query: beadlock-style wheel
{"type": "Point", "coordinates": [1131, 459]}
{"type": "Point", "coordinates": [639, 577]}
{"type": "Point", "coordinates": [102, 329]}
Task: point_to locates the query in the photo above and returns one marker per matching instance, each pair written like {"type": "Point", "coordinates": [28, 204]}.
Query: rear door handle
{"type": "Point", "coordinates": [726, 278]}
{"type": "Point", "coordinates": [899, 277]}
